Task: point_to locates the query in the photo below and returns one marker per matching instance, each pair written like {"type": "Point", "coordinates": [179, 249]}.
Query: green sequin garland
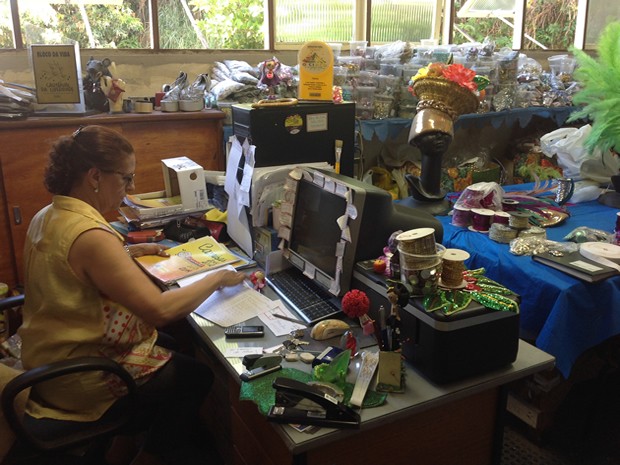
{"type": "Point", "coordinates": [483, 290]}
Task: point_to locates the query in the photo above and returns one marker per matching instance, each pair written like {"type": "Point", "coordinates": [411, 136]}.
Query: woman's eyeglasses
{"type": "Point", "coordinates": [127, 177]}
{"type": "Point", "coordinates": [77, 131]}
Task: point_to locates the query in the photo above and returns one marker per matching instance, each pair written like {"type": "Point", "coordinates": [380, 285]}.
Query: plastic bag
{"type": "Point", "coordinates": [567, 145]}
{"type": "Point", "coordinates": [481, 195]}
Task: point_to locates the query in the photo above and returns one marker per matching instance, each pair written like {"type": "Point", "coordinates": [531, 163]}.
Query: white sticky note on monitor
{"type": "Point", "coordinates": [319, 179]}
{"type": "Point", "coordinates": [341, 190]}
{"type": "Point", "coordinates": [309, 270]}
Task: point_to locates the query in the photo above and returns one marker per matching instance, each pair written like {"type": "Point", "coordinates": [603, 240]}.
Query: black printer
{"type": "Point", "coordinates": [444, 348]}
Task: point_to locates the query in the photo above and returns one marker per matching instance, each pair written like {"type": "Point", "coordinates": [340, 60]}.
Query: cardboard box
{"type": "Point", "coordinates": [185, 191]}
{"type": "Point", "coordinates": [265, 241]}
{"type": "Point", "coordinates": [186, 178]}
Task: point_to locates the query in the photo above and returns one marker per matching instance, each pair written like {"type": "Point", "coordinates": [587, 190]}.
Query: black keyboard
{"type": "Point", "coordinates": [308, 299]}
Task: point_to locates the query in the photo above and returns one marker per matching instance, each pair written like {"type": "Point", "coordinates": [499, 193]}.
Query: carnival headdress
{"type": "Point", "coordinates": [600, 91]}
{"type": "Point", "coordinates": [445, 92]}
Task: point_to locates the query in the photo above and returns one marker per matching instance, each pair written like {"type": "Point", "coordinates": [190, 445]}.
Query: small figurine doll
{"type": "Point", "coordinates": [348, 341]}
{"type": "Point", "coordinates": [258, 280]}
{"type": "Point", "coordinates": [398, 295]}
{"type": "Point", "coordinates": [270, 76]}
{"type": "Point", "coordinates": [113, 90]}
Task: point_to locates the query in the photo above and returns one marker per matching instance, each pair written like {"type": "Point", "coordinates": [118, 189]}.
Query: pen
{"type": "Point", "coordinates": [288, 318]}
{"type": "Point", "coordinates": [338, 153]}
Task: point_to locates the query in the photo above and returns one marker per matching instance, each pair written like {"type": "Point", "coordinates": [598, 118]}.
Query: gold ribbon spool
{"type": "Point", "coordinates": [420, 241]}
{"type": "Point", "coordinates": [453, 267]}
{"type": "Point", "coordinates": [519, 220]}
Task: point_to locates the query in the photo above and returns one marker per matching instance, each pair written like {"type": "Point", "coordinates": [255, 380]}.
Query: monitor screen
{"type": "Point", "coordinates": [335, 221]}
{"type": "Point", "coordinates": [315, 231]}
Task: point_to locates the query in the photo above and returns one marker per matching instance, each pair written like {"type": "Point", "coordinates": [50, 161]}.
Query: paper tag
{"type": "Point", "coordinates": [586, 266]}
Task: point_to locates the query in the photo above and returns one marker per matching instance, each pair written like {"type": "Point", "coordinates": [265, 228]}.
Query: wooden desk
{"type": "Point", "coordinates": [428, 424]}
{"type": "Point", "coordinates": [23, 157]}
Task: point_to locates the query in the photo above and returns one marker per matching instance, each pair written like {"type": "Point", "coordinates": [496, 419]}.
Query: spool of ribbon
{"type": "Point", "coordinates": [420, 241]}
{"type": "Point", "coordinates": [601, 252]}
{"type": "Point", "coordinates": [481, 219]}
{"type": "Point", "coordinates": [461, 216]}
{"type": "Point", "coordinates": [509, 204]}
{"type": "Point", "coordinates": [453, 267]}
{"type": "Point", "coordinates": [519, 220]}
{"type": "Point", "coordinates": [501, 217]}
{"type": "Point", "coordinates": [502, 233]}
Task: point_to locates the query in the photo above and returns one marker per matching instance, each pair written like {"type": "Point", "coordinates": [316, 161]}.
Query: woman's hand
{"type": "Point", "coordinates": [226, 278]}
{"type": "Point", "coordinates": [138, 250]}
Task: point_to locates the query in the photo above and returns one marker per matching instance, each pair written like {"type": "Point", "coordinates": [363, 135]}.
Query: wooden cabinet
{"type": "Point", "coordinates": [24, 147]}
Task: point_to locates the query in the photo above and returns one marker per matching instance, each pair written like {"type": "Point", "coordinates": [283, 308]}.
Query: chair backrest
{"type": "Point", "coordinates": [15, 387]}
{"type": "Point", "coordinates": [43, 373]}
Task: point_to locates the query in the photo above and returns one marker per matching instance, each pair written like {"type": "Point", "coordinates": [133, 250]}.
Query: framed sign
{"type": "Point", "coordinates": [56, 71]}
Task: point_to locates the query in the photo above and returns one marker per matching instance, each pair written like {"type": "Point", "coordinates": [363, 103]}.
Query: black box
{"type": "Point", "coordinates": [447, 348]}
{"type": "Point", "coordinates": [303, 133]}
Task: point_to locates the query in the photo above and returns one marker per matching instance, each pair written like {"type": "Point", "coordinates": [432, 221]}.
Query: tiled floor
{"type": "Point", "coordinates": [586, 430]}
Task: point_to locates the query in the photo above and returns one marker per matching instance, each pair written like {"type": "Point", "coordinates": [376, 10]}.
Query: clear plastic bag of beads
{"type": "Point", "coordinates": [585, 234]}
{"type": "Point", "coordinates": [535, 245]}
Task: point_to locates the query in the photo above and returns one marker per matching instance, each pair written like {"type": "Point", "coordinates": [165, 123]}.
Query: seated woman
{"type": "Point", "coordinates": [85, 296]}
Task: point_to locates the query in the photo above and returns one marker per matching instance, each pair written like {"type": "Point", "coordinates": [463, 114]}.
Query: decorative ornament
{"type": "Point", "coordinates": [355, 304]}
{"type": "Point", "coordinates": [258, 280]}
{"type": "Point", "coordinates": [337, 94]}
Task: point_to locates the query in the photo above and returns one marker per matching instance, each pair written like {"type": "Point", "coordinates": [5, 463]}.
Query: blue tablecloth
{"type": "Point", "coordinates": [563, 315]}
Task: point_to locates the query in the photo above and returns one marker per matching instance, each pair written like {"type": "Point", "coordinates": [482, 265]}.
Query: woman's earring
{"type": "Point", "coordinates": [96, 189]}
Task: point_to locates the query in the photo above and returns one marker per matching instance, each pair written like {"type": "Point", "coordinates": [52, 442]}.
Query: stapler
{"type": "Point", "coordinates": [259, 365]}
{"type": "Point", "coordinates": [298, 402]}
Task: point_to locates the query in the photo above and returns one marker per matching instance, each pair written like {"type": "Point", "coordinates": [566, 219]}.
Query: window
{"type": "Point", "coordinates": [285, 24]}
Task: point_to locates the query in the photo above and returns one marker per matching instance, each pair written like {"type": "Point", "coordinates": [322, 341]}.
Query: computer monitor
{"type": "Point", "coordinates": [336, 221]}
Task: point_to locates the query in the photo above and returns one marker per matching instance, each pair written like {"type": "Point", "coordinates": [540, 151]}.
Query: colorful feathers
{"type": "Point", "coordinates": [600, 91]}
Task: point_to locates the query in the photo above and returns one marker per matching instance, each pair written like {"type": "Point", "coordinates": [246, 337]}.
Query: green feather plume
{"type": "Point", "coordinates": [600, 91]}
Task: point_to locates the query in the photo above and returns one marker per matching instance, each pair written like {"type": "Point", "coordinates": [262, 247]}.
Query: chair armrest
{"type": "Point", "coordinates": [12, 301]}
{"type": "Point", "coordinates": [49, 371]}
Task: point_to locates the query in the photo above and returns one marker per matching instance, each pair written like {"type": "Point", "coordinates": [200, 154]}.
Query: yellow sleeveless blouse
{"type": "Point", "coordinates": [66, 317]}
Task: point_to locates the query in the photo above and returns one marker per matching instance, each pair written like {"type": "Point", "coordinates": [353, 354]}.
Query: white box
{"type": "Point", "coordinates": [186, 178]}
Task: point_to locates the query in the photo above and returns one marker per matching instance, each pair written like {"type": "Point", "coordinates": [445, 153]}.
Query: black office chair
{"type": "Point", "coordinates": [35, 444]}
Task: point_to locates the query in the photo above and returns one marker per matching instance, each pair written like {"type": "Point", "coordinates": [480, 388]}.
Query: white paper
{"type": "Point", "coordinates": [240, 352]}
{"type": "Point", "coordinates": [238, 227]}
{"type": "Point", "coordinates": [278, 326]}
{"type": "Point", "coordinates": [233, 305]}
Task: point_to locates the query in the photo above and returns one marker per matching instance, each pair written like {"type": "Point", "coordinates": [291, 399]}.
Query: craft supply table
{"type": "Point", "coordinates": [460, 422]}
{"type": "Point", "coordinates": [563, 315]}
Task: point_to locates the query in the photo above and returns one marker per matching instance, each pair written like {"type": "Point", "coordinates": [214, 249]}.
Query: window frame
{"type": "Point", "coordinates": [361, 25]}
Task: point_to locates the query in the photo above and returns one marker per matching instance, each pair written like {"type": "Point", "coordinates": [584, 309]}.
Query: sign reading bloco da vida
{"type": "Point", "coordinates": [55, 70]}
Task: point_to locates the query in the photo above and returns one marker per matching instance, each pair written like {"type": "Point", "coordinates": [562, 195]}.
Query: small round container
{"type": "Point", "coordinates": [169, 106]}
{"type": "Point", "coordinates": [357, 48]}
{"type": "Point", "coordinates": [340, 75]}
{"type": "Point", "coordinates": [336, 48]}
{"type": "Point", "coordinates": [191, 105]}
{"type": "Point", "coordinates": [143, 107]}
{"type": "Point", "coordinates": [352, 63]}
{"type": "Point", "coordinates": [421, 272]}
